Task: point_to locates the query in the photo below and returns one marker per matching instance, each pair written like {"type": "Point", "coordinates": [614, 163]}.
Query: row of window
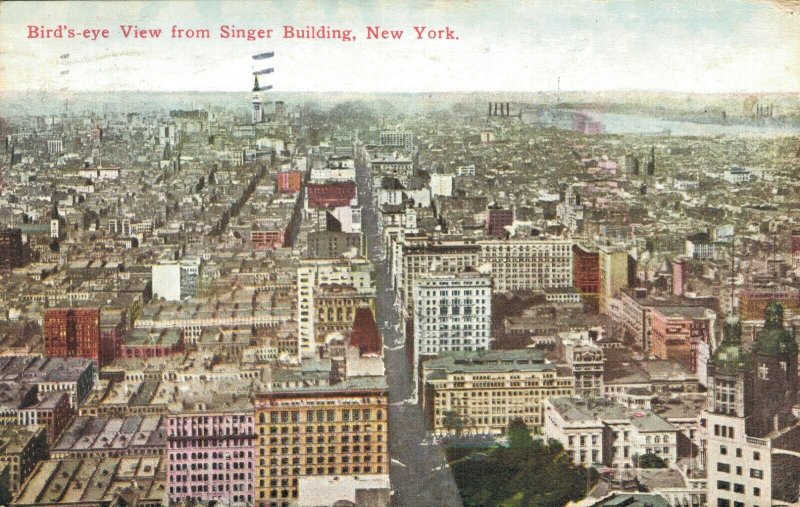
{"type": "Point", "coordinates": [295, 416]}
{"type": "Point", "coordinates": [737, 488]}
{"type": "Point", "coordinates": [755, 473]}
{"type": "Point", "coordinates": [723, 450]}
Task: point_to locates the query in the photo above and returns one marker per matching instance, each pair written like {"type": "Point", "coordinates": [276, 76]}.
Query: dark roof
{"type": "Point", "coordinates": [365, 334]}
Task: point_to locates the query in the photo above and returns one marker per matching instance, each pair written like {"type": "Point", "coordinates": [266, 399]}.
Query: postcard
{"type": "Point", "coordinates": [433, 253]}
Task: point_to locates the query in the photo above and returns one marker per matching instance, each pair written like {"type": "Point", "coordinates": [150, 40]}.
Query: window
{"type": "Point", "coordinates": [756, 473]}
{"type": "Point", "coordinates": [724, 485]}
{"type": "Point", "coordinates": [721, 502]}
{"type": "Point", "coordinates": [738, 488]}
{"type": "Point", "coordinates": [723, 467]}
{"type": "Point", "coordinates": [756, 455]}
{"type": "Point", "coordinates": [756, 491]}
{"type": "Point", "coordinates": [723, 450]}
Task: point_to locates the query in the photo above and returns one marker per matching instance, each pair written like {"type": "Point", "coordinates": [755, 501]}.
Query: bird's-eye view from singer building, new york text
{"type": "Point", "coordinates": [433, 253]}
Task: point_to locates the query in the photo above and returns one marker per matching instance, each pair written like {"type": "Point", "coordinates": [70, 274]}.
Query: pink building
{"type": "Point", "coordinates": [682, 333]}
{"type": "Point", "coordinates": [211, 451]}
{"type": "Point", "coordinates": [680, 274]}
{"type": "Point", "coordinates": [152, 343]}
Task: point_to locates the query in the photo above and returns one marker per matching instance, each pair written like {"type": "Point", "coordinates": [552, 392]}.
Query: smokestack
{"type": "Point", "coordinates": [495, 109]}
{"type": "Point", "coordinates": [490, 108]}
{"type": "Point", "coordinates": [508, 108]}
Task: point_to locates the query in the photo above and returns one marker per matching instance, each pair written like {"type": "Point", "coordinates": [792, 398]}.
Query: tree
{"type": "Point", "coordinates": [649, 460]}
{"type": "Point", "coordinates": [55, 246]}
{"type": "Point", "coordinates": [536, 476]}
{"type": "Point", "coordinates": [454, 422]}
{"type": "Point", "coordinates": [519, 436]}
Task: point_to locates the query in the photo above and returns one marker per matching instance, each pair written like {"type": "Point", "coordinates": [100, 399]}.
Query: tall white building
{"type": "Point", "coordinates": [398, 138]}
{"type": "Point", "coordinates": [452, 312]}
{"type": "Point", "coordinates": [176, 280]}
{"type": "Point", "coordinates": [55, 145]}
{"type": "Point", "coordinates": [753, 440]}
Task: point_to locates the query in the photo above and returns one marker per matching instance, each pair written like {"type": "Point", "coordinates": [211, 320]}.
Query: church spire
{"type": "Point", "coordinates": [255, 85]}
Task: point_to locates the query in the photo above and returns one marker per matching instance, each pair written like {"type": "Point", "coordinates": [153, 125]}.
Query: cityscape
{"type": "Point", "coordinates": [278, 298]}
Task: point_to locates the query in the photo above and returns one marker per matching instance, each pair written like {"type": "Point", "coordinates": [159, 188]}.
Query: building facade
{"type": "Point", "coordinates": [73, 332]}
{"type": "Point", "coordinates": [452, 312]}
{"type": "Point", "coordinates": [600, 431]}
{"type": "Point", "coordinates": [528, 263]}
{"type": "Point", "coordinates": [586, 273]}
{"type": "Point", "coordinates": [211, 452]}
{"type": "Point", "coordinates": [11, 252]}
{"type": "Point", "coordinates": [482, 392]}
{"type": "Point", "coordinates": [334, 430]}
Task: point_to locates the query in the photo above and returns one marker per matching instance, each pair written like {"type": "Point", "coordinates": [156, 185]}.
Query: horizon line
{"type": "Point", "coordinates": [417, 92]}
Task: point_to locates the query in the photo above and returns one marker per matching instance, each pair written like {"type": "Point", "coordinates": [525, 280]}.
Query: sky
{"type": "Point", "coordinates": [713, 46]}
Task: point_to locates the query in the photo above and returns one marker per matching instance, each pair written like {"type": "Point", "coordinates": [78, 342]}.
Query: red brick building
{"type": "Point", "coordinates": [336, 194]}
{"type": "Point", "coordinates": [496, 221]}
{"type": "Point", "coordinates": [290, 182]}
{"type": "Point", "coordinates": [73, 332]}
{"type": "Point", "coordinates": [586, 272]}
{"type": "Point", "coordinates": [267, 240]}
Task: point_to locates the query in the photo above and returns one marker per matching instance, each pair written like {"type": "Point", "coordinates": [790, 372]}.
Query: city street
{"type": "Point", "coordinates": [419, 472]}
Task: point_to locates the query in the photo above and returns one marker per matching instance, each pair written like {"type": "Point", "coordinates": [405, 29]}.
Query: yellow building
{"type": "Point", "coordinates": [482, 392]}
{"type": "Point", "coordinates": [323, 430]}
{"type": "Point", "coordinates": [613, 273]}
{"type": "Point", "coordinates": [336, 307]}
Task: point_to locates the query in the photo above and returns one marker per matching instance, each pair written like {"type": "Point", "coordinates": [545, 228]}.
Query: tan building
{"type": "Point", "coordinates": [528, 263]}
{"type": "Point", "coordinates": [482, 392]}
{"type": "Point", "coordinates": [336, 307]}
{"type": "Point", "coordinates": [323, 430]}
{"type": "Point", "coordinates": [313, 273]}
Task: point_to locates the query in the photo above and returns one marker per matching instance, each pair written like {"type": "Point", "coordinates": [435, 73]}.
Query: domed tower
{"type": "Point", "coordinates": [775, 352]}
{"type": "Point", "coordinates": [730, 374]}
{"type": "Point", "coordinates": [731, 403]}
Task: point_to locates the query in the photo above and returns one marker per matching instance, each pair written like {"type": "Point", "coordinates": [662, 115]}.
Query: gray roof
{"type": "Point", "coordinates": [575, 409]}
{"type": "Point", "coordinates": [490, 360]}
